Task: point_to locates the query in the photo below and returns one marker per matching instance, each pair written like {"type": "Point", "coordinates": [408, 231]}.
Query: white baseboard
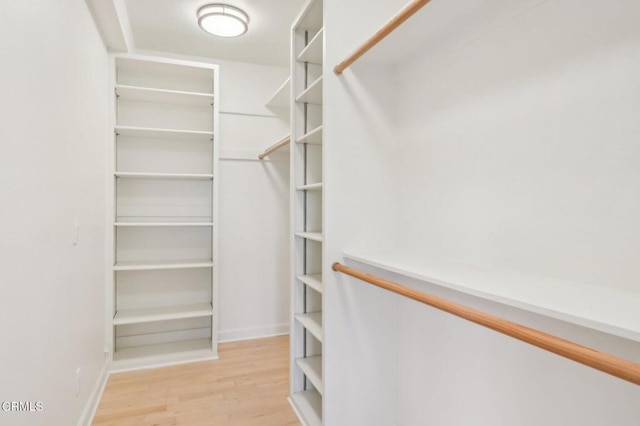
{"type": "Point", "coordinates": [252, 333]}
{"type": "Point", "coordinates": [90, 408]}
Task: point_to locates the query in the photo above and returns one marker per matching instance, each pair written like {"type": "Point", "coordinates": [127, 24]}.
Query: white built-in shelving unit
{"type": "Point", "coordinates": [164, 212]}
{"type": "Point", "coordinates": [307, 204]}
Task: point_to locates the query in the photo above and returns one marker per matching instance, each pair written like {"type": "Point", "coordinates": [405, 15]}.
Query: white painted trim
{"type": "Point", "coordinates": [90, 408]}
{"type": "Point", "coordinates": [251, 333]}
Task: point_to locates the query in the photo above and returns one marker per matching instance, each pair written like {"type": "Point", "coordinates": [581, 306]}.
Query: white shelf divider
{"type": "Point", "coordinates": [314, 236]}
{"type": "Point", "coordinates": [159, 265]}
{"type": "Point", "coordinates": [312, 368]}
{"type": "Point", "coordinates": [136, 316]}
{"type": "Point", "coordinates": [312, 94]}
{"type": "Point", "coordinates": [314, 137]}
{"type": "Point", "coordinates": [282, 97]}
{"type": "Point", "coordinates": [313, 53]}
{"type": "Point", "coordinates": [312, 322]}
{"type": "Point", "coordinates": [147, 94]}
{"type": "Point", "coordinates": [605, 309]}
{"type": "Point", "coordinates": [310, 187]}
{"type": "Point", "coordinates": [144, 175]}
{"type": "Point", "coordinates": [313, 281]}
{"type": "Point", "coordinates": [155, 133]}
{"type": "Point", "coordinates": [308, 406]}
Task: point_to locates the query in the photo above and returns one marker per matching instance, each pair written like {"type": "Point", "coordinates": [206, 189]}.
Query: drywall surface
{"type": "Point", "coordinates": [52, 168]}
{"type": "Point", "coordinates": [254, 205]}
{"type": "Point", "coordinates": [360, 335]}
{"type": "Point", "coordinates": [517, 140]}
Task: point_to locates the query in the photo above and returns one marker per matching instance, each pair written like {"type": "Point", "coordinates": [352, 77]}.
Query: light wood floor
{"type": "Point", "coordinates": [248, 385]}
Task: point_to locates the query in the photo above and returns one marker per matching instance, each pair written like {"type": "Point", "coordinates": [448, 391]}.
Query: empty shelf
{"type": "Point", "coordinates": [312, 53]}
{"type": "Point", "coordinates": [310, 187]}
{"type": "Point", "coordinates": [312, 322]}
{"type": "Point", "coordinates": [314, 137]}
{"type": "Point", "coordinates": [135, 316]}
{"type": "Point", "coordinates": [197, 346]}
{"type": "Point", "coordinates": [308, 405]}
{"type": "Point", "coordinates": [282, 97]}
{"type": "Point", "coordinates": [312, 280]}
{"type": "Point", "coordinates": [146, 94]}
{"type": "Point", "coordinates": [162, 224]}
{"type": "Point", "coordinates": [153, 133]}
{"type": "Point", "coordinates": [312, 368]}
{"type": "Point", "coordinates": [312, 94]}
{"type": "Point", "coordinates": [609, 310]}
{"type": "Point", "coordinates": [143, 266]}
{"type": "Point", "coordinates": [315, 236]}
{"type": "Point", "coordinates": [140, 175]}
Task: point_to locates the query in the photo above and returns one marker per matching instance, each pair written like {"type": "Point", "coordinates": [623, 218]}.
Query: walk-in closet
{"type": "Point", "coordinates": [320, 213]}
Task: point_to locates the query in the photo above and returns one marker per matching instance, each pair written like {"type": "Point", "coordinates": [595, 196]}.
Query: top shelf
{"type": "Point", "coordinates": [313, 52]}
{"type": "Point", "coordinates": [146, 94]}
{"type": "Point", "coordinates": [608, 310]}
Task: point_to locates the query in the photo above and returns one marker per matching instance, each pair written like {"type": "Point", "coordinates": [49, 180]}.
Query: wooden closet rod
{"type": "Point", "coordinates": [275, 147]}
{"type": "Point", "coordinates": [384, 31]}
{"type": "Point", "coordinates": [606, 363]}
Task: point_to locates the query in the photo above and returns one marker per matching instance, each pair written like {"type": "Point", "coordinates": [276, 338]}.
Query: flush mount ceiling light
{"type": "Point", "coordinates": [223, 20]}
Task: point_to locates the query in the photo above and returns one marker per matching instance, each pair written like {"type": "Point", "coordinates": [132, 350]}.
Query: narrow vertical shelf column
{"type": "Point", "coordinates": [163, 305]}
{"type": "Point", "coordinates": [307, 210]}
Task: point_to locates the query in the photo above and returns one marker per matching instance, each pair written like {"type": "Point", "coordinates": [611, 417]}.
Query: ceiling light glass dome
{"type": "Point", "coordinates": [223, 20]}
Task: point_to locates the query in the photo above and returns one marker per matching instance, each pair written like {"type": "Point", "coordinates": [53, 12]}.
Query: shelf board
{"type": "Point", "coordinates": [146, 266]}
{"type": "Point", "coordinates": [147, 94]}
{"type": "Point", "coordinates": [308, 406]}
{"type": "Point", "coordinates": [312, 368]}
{"type": "Point", "coordinates": [136, 316]}
{"type": "Point", "coordinates": [162, 224]}
{"type": "Point", "coordinates": [312, 94]}
{"type": "Point", "coordinates": [282, 97]}
{"type": "Point", "coordinates": [140, 175]}
{"type": "Point", "coordinates": [312, 322]}
{"type": "Point", "coordinates": [314, 137]}
{"type": "Point", "coordinates": [154, 133]}
{"type": "Point", "coordinates": [310, 187]}
{"type": "Point", "coordinates": [192, 348]}
{"type": "Point", "coordinates": [612, 311]}
{"type": "Point", "coordinates": [312, 280]}
{"type": "Point", "coordinates": [315, 236]}
{"type": "Point", "coordinates": [313, 52]}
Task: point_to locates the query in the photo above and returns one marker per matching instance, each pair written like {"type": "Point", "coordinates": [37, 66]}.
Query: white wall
{"type": "Point", "coordinates": [513, 147]}
{"type": "Point", "coordinates": [360, 326]}
{"type": "Point", "coordinates": [517, 152]}
{"type": "Point", "coordinates": [254, 202]}
{"type": "Point", "coordinates": [254, 205]}
{"type": "Point", "coordinates": [52, 168]}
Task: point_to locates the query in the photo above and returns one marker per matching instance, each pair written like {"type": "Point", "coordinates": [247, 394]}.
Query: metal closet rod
{"type": "Point", "coordinates": [610, 364]}
{"type": "Point", "coordinates": [379, 35]}
{"type": "Point", "coordinates": [275, 147]}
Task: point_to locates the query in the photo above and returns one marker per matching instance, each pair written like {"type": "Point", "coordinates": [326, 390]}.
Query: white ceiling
{"type": "Point", "coordinates": [171, 26]}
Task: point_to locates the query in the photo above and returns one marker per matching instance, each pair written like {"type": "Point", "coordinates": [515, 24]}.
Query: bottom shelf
{"type": "Point", "coordinates": [164, 353]}
{"type": "Point", "coordinates": [308, 406]}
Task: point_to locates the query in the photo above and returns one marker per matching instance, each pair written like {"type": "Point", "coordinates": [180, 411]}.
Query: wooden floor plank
{"type": "Point", "coordinates": [247, 386]}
